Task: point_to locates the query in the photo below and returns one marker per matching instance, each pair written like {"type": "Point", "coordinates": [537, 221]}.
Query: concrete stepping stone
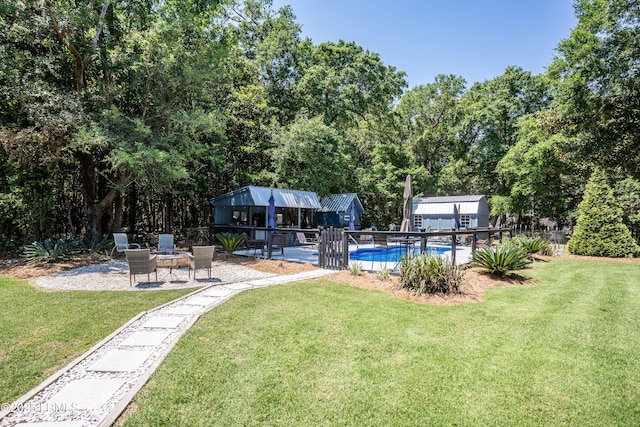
{"type": "Point", "coordinates": [183, 309]}
{"type": "Point", "coordinates": [217, 292]}
{"type": "Point", "coordinates": [240, 286]}
{"type": "Point", "coordinates": [146, 338]}
{"type": "Point", "coordinates": [120, 361]}
{"type": "Point", "coordinates": [84, 394]}
{"type": "Point", "coordinates": [202, 301]}
{"type": "Point", "coordinates": [264, 282]}
{"type": "Point", "coordinates": [163, 322]}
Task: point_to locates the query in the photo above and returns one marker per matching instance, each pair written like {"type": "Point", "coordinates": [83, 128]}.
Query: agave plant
{"type": "Point", "coordinates": [230, 241]}
{"type": "Point", "coordinates": [500, 259]}
{"type": "Point", "coordinates": [53, 251]}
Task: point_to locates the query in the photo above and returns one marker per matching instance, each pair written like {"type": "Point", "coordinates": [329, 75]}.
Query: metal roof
{"type": "Point", "coordinates": [469, 205]}
{"type": "Point", "coordinates": [341, 203]}
{"type": "Point", "coordinates": [450, 199]}
{"type": "Point", "coordinates": [259, 196]}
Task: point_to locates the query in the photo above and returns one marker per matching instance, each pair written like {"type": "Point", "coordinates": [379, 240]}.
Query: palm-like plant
{"type": "Point", "coordinates": [230, 241]}
{"type": "Point", "coordinates": [500, 259]}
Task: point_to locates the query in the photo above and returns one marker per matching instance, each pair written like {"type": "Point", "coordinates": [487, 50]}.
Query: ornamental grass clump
{"type": "Point", "coordinates": [230, 241]}
{"type": "Point", "coordinates": [500, 259]}
{"type": "Point", "coordinates": [355, 269]}
{"type": "Point", "coordinates": [530, 245]}
{"type": "Point", "coordinates": [430, 274]}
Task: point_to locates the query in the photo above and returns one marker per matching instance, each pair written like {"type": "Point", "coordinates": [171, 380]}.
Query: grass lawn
{"type": "Point", "coordinates": [41, 331]}
{"type": "Point", "coordinates": [563, 352]}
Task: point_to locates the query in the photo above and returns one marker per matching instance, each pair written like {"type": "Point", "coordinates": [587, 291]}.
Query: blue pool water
{"type": "Point", "coordinates": [392, 254]}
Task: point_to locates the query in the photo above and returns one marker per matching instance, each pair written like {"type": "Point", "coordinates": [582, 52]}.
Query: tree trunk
{"type": "Point", "coordinates": [133, 208]}
{"type": "Point", "coordinates": [168, 213]}
{"type": "Point", "coordinates": [93, 211]}
{"type": "Point", "coordinates": [119, 212]}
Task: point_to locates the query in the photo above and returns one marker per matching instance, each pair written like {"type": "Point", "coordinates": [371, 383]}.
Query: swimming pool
{"type": "Point", "coordinates": [392, 254]}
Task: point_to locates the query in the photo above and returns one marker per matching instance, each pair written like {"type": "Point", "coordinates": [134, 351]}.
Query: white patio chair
{"type": "Point", "coordinates": [165, 244]}
{"type": "Point", "coordinates": [121, 243]}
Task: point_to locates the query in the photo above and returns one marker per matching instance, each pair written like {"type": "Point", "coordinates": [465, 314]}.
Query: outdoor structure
{"type": "Point", "coordinates": [248, 206]}
{"type": "Point", "coordinates": [336, 210]}
{"type": "Point", "coordinates": [438, 213]}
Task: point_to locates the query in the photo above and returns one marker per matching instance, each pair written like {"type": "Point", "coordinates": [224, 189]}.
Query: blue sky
{"type": "Point", "coordinates": [474, 39]}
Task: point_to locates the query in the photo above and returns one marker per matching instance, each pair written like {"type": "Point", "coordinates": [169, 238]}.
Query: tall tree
{"type": "Point", "coordinates": [540, 177]}
{"type": "Point", "coordinates": [433, 115]}
{"type": "Point", "coordinates": [598, 75]}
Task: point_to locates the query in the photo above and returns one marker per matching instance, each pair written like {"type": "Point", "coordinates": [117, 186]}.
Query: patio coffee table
{"type": "Point", "coordinates": [172, 260]}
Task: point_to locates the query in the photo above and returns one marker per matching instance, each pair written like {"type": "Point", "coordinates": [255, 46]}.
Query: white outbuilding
{"type": "Point", "coordinates": [438, 213]}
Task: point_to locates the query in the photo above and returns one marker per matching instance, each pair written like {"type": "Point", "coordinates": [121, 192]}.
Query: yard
{"type": "Point", "coordinates": [41, 331]}
{"type": "Point", "coordinates": [562, 352]}
{"type": "Point", "coordinates": [562, 349]}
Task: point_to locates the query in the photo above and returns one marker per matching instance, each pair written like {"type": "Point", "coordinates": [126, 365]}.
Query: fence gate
{"type": "Point", "coordinates": [331, 247]}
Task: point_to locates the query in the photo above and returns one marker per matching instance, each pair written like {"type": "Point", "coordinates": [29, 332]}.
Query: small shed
{"type": "Point", "coordinates": [335, 210]}
{"type": "Point", "coordinates": [437, 213]}
{"type": "Point", "coordinates": [248, 206]}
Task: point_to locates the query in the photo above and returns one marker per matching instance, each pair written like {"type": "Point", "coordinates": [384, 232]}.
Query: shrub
{"type": "Point", "coordinates": [430, 274]}
{"type": "Point", "coordinates": [500, 259]}
{"type": "Point", "coordinates": [383, 275]}
{"type": "Point", "coordinates": [599, 230]}
{"type": "Point", "coordinates": [103, 246]}
{"type": "Point", "coordinates": [54, 251]}
{"type": "Point", "coordinates": [230, 241]}
{"type": "Point", "coordinates": [530, 245]}
{"type": "Point", "coordinates": [355, 268]}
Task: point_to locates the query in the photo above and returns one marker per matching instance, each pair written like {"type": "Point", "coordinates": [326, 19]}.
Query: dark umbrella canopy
{"type": "Point", "coordinates": [407, 208]}
{"type": "Point", "coordinates": [352, 217]}
{"type": "Point", "coordinates": [272, 211]}
{"type": "Point", "coordinates": [456, 216]}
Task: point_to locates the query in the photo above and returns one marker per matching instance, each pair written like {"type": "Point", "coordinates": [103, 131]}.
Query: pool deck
{"type": "Point", "coordinates": [309, 255]}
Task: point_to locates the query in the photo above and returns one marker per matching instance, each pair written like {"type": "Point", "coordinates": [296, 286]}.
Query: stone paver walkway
{"type": "Point", "coordinates": [95, 388]}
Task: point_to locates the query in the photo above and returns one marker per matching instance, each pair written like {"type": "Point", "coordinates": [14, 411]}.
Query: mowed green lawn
{"type": "Point", "coordinates": [41, 331]}
{"type": "Point", "coordinates": [563, 352]}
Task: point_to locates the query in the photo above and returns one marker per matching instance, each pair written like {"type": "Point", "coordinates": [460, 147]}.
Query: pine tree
{"type": "Point", "coordinates": [599, 230]}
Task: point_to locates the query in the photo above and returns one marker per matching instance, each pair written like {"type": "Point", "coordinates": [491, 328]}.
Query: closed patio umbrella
{"type": "Point", "coordinates": [272, 212]}
{"type": "Point", "coordinates": [456, 216]}
{"type": "Point", "coordinates": [407, 208]}
{"type": "Point", "coordinates": [352, 219]}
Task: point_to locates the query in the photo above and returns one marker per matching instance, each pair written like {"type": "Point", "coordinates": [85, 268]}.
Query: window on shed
{"type": "Point", "coordinates": [465, 220]}
{"type": "Point", "coordinates": [417, 221]}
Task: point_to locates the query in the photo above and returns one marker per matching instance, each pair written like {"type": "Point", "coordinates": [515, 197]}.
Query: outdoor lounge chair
{"type": "Point", "coordinates": [201, 258]}
{"type": "Point", "coordinates": [141, 262]}
{"type": "Point", "coordinates": [165, 244]}
{"type": "Point", "coordinates": [121, 243]}
{"type": "Point", "coordinates": [302, 239]}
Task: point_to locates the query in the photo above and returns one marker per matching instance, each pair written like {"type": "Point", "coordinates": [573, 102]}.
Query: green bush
{"type": "Point", "coordinates": [500, 259]}
{"type": "Point", "coordinates": [530, 245]}
{"type": "Point", "coordinates": [54, 251]}
{"type": "Point", "coordinates": [430, 274]}
{"type": "Point", "coordinates": [230, 241]}
{"type": "Point", "coordinates": [599, 230]}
